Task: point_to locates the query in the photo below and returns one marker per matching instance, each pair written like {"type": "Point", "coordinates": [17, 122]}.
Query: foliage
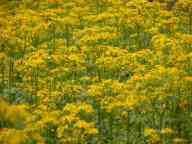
{"type": "Point", "coordinates": [95, 72]}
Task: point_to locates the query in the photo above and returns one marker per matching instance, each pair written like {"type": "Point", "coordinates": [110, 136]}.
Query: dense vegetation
{"type": "Point", "coordinates": [95, 72]}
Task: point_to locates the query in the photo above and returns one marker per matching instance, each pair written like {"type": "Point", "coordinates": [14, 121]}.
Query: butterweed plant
{"type": "Point", "coordinates": [95, 72]}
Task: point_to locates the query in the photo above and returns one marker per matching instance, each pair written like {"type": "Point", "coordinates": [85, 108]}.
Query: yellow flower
{"type": "Point", "coordinates": [89, 127]}
{"type": "Point", "coordinates": [2, 56]}
{"type": "Point", "coordinates": [83, 124]}
{"type": "Point", "coordinates": [188, 78]}
{"type": "Point", "coordinates": [179, 141]}
{"type": "Point", "coordinates": [152, 134]}
{"type": "Point", "coordinates": [95, 90]}
{"type": "Point", "coordinates": [167, 131]}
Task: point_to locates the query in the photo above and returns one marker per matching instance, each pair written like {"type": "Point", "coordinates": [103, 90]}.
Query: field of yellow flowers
{"type": "Point", "coordinates": [95, 72]}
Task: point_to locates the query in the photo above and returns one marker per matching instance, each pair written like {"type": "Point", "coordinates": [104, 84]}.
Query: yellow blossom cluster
{"type": "Point", "coordinates": [95, 71]}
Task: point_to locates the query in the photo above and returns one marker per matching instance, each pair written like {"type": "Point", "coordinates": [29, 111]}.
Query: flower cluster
{"type": "Point", "coordinates": [95, 71]}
